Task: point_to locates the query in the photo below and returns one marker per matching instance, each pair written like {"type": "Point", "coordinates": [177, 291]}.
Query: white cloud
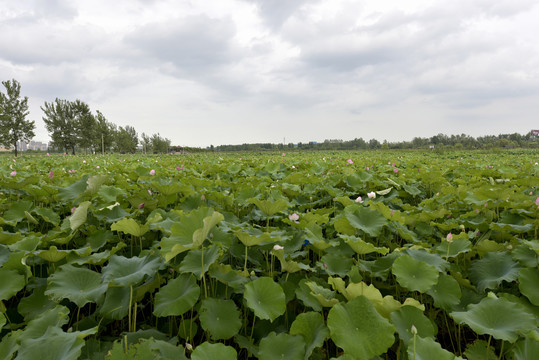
{"type": "Point", "coordinates": [238, 71]}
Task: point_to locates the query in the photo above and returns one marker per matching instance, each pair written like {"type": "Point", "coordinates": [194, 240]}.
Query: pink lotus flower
{"type": "Point", "coordinates": [51, 174]}
{"type": "Point", "coordinates": [141, 206]}
{"type": "Point", "coordinates": [449, 238]}
{"type": "Point", "coordinates": [284, 154]}
{"type": "Point", "coordinates": [537, 201]}
{"type": "Point", "coordinates": [293, 217]}
{"type": "Point", "coordinates": [152, 172]}
{"type": "Point", "coordinates": [350, 161]}
{"type": "Point", "coordinates": [367, 168]}
{"type": "Point", "coordinates": [177, 168]}
{"type": "Point", "coordinates": [395, 170]}
{"type": "Point", "coordinates": [371, 195]}
{"type": "Point", "coordinates": [13, 173]}
{"type": "Point", "coordinates": [359, 200]}
{"type": "Point", "coordinates": [84, 161]}
{"type": "Point", "coordinates": [73, 209]}
{"type": "Point", "coordinates": [149, 192]}
{"type": "Point", "coordinates": [48, 154]}
{"type": "Point", "coordinates": [97, 167]}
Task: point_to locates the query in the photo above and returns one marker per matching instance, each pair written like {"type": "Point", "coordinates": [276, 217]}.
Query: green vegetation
{"type": "Point", "coordinates": [311, 255]}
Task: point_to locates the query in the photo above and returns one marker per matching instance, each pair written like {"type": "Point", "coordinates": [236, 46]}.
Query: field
{"type": "Point", "coordinates": [301, 255]}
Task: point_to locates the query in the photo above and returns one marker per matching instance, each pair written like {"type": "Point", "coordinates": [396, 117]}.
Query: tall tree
{"type": "Point", "coordinates": [85, 123]}
{"type": "Point", "coordinates": [159, 144]}
{"type": "Point", "coordinates": [146, 143]}
{"type": "Point", "coordinates": [13, 111]}
{"type": "Point", "coordinates": [105, 133]}
{"type": "Point", "coordinates": [61, 124]}
{"type": "Point", "coordinates": [126, 139]}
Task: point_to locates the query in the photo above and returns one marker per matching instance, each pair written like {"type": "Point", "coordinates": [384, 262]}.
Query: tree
{"type": "Point", "coordinates": [105, 132]}
{"type": "Point", "coordinates": [85, 123]}
{"type": "Point", "coordinates": [126, 139]}
{"type": "Point", "coordinates": [61, 124]}
{"type": "Point", "coordinates": [146, 143]}
{"type": "Point", "coordinates": [13, 111]}
{"type": "Point", "coordinates": [159, 144]}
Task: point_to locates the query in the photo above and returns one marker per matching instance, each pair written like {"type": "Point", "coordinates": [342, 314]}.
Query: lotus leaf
{"type": "Point", "coordinates": [528, 283]}
{"type": "Point", "coordinates": [405, 317]}
{"type": "Point", "coordinates": [208, 351]}
{"type": "Point", "coordinates": [282, 346]}
{"type": "Point", "coordinates": [359, 330]}
{"type": "Point", "coordinates": [265, 297]}
{"type": "Point", "coordinates": [414, 274]}
{"type": "Point", "coordinates": [178, 296]}
{"type": "Point", "coordinates": [446, 293]}
{"type": "Point", "coordinates": [365, 219]}
{"type": "Point", "coordinates": [311, 327]}
{"type": "Point", "coordinates": [130, 271]}
{"type": "Point", "coordinates": [79, 285]}
{"type": "Point", "coordinates": [220, 318]}
{"type": "Point", "coordinates": [427, 349]}
{"type": "Point", "coordinates": [12, 282]}
{"type": "Point", "coordinates": [492, 269]}
{"type": "Point", "coordinates": [499, 317]}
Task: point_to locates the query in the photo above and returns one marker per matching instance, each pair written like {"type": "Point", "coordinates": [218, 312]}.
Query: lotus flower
{"type": "Point", "coordinates": [537, 201]}
{"type": "Point", "coordinates": [13, 173]}
{"type": "Point", "coordinates": [449, 238]}
{"type": "Point", "coordinates": [350, 161]}
{"type": "Point", "coordinates": [359, 200]}
{"type": "Point", "coordinates": [371, 195]}
{"type": "Point", "coordinates": [293, 217]}
{"type": "Point", "coordinates": [277, 248]}
{"type": "Point", "coordinates": [51, 174]}
{"type": "Point", "coordinates": [152, 172]}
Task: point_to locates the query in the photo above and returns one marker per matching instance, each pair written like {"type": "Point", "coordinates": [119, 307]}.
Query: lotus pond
{"type": "Point", "coordinates": [311, 255]}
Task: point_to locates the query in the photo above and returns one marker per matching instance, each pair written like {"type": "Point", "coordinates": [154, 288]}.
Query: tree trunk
{"type": "Point", "coordinates": [15, 145]}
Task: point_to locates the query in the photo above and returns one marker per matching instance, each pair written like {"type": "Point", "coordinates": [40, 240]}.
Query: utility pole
{"type": "Point", "coordinates": [103, 144]}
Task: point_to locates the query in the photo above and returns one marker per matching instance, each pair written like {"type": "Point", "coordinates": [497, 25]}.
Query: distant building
{"type": "Point", "coordinates": [32, 145]}
{"type": "Point", "coordinates": [535, 133]}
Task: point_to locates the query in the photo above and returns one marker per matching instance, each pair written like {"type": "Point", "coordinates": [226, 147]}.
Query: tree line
{"type": "Point", "coordinates": [71, 126]}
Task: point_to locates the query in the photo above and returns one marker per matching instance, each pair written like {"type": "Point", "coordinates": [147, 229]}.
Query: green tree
{"type": "Point", "coordinates": [146, 143]}
{"type": "Point", "coordinates": [13, 111]}
{"type": "Point", "coordinates": [126, 139]}
{"type": "Point", "coordinates": [61, 124]}
{"type": "Point", "coordinates": [85, 123]}
{"type": "Point", "coordinates": [105, 132]}
{"type": "Point", "coordinates": [160, 145]}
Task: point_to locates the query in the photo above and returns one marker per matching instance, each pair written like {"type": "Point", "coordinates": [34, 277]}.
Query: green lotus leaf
{"type": "Point", "coordinates": [269, 207]}
{"type": "Point", "coordinates": [325, 296]}
{"type": "Point", "coordinates": [526, 349]}
{"type": "Point", "coordinates": [492, 269]}
{"type": "Point", "coordinates": [265, 297]}
{"type": "Point", "coordinates": [458, 246]}
{"type": "Point", "coordinates": [198, 261]}
{"type": "Point", "coordinates": [446, 293]}
{"type": "Point", "coordinates": [414, 274]}
{"type": "Point", "coordinates": [74, 190]}
{"type": "Point", "coordinates": [478, 349]}
{"type": "Point", "coordinates": [116, 304]}
{"type": "Point", "coordinates": [176, 297]}
{"type": "Point", "coordinates": [55, 317]}
{"type": "Point", "coordinates": [109, 194]}
{"type": "Point", "coordinates": [12, 282]}
{"type": "Point", "coordinates": [16, 212]}
{"type": "Point", "coordinates": [303, 293]}
{"type": "Point", "coordinates": [221, 318]}
{"type": "Point", "coordinates": [229, 276]}
{"type": "Point", "coordinates": [528, 283]}
{"type": "Point", "coordinates": [130, 271]}
{"type": "Point", "coordinates": [207, 351]}
{"type": "Point", "coordinates": [362, 247]}
{"type": "Point", "coordinates": [405, 317]}
{"type": "Point", "coordinates": [58, 344]}
{"type": "Point", "coordinates": [252, 237]}
{"type": "Point", "coordinates": [336, 264]}
{"type": "Point", "coordinates": [311, 327]}
{"type": "Point", "coordinates": [189, 232]}
{"type": "Point", "coordinates": [281, 346]}
{"type": "Point", "coordinates": [30, 218]}
{"type": "Point", "coordinates": [130, 226]}
{"type": "Point", "coordinates": [28, 243]}
{"type": "Point", "coordinates": [79, 285]}
{"type": "Point", "coordinates": [313, 233]}
{"type": "Point", "coordinates": [95, 182]}
{"type": "Point", "coordinates": [499, 317]}
{"type": "Point", "coordinates": [79, 215]}
{"type": "Point", "coordinates": [359, 330]}
{"type": "Point", "coordinates": [427, 349]}
{"type": "Point", "coordinates": [4, 254]}
{"type": "Point", "coordinates": [35, 304]}
{"type": "Point", "coordinates": [365, 219]}
{"type": "Point", "coordinates": [431, 259]}
{"type": "Point", "coordinates": [9, 344]}
{"type": "Point", "coordinates": [48, 215]}
{"type": "Point", "coordinates": [2, 321]}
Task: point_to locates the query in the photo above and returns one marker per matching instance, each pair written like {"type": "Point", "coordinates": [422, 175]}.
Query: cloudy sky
{"type": "Point", "coordinates": [207, 72]}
